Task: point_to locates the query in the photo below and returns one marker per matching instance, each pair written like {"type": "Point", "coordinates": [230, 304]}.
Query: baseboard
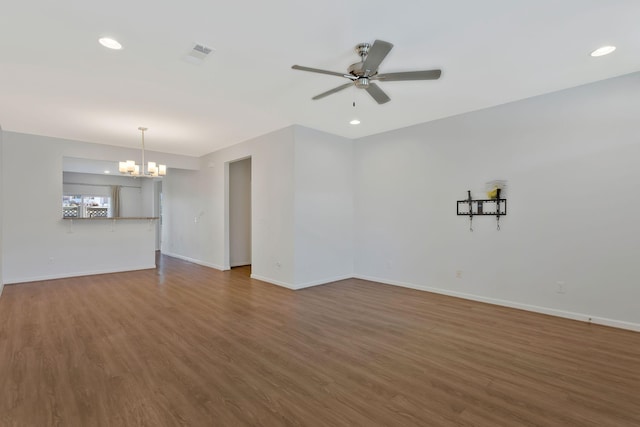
{"type": "Point", "coordinates": [273, 281]}
{"type": "Point", "coordinates": [323, 281]}
{"type": "Point", "coordinates": [303, 285]}
{"type": "Point", "coordinates": [505, 303]}
{"type": "Point", "coordinates": [14, 281]}
{"type": "Point", "coordinates": [197, 261]}
{"type": "Point", "coordinates": [240, 264]}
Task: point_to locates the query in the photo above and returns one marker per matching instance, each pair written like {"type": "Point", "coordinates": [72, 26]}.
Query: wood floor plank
{"type": "Point", "coordinates": [185, 345]}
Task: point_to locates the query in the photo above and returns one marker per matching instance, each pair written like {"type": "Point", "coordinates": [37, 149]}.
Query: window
{"type": "Point", "coordinates": [86, 206]}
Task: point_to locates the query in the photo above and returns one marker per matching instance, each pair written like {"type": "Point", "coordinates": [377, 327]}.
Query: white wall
{"type": "Point", "coordinates": [324, 211]}
{"type": "Point", "coordinates": [37, 243]}
{"type": "Point", "coordinates": [1, 212]}
{"type": "Point", "coordinates": [185, 229]}
{"type": "Point", "coordinates": [570, 159]}
{"type": "Point", "coordinates": [301, 202]}
{"type": "Point", "coordinates": [147, 197]}
{"type": "Point", "coordinates": [196, 215]}
{"type": "Point", "coordinates": [240, 212]}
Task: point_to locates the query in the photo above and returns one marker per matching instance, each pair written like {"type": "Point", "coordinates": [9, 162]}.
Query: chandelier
{"type": "Point", "coordinates": [130, 167]}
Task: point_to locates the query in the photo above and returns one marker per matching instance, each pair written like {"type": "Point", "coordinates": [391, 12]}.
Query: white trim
{"type": "Point", "coordinates": [241, 264]}
{"type": "Point", "coordinates": [196, 261]}
{"type": "Point", "coordinates": [273, 282]}
{"type": "Point", "coordinates": [303, 285]}
{"type": "Point", "coordinates": [77, 274]}
{"type": "Point", "coordinates": [534, 308]}
{"type": "Point", "coordinates": [324, 281]}
{"type": "Point", "coordinates": [615, 323]}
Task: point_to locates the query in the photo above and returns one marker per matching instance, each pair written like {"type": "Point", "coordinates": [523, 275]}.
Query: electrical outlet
{"type": "Point", "coordinates": [561, 288]}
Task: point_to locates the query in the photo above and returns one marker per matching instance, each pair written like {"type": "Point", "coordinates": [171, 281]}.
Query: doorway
{"type": "Point", "coordinates": [240, 213]}
{"type": "Point", "coordinates": [157, 212]}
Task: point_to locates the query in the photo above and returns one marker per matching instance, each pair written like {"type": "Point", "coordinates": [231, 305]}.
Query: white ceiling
{"type": "Point", "coordinates": [56, 80]}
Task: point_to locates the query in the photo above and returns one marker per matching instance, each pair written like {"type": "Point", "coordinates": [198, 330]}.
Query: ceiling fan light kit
{"type": "Point", "coordinates": [363, 74]}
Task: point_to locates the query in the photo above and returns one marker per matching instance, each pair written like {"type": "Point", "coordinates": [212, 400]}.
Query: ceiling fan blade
{"type": "Point", "coordinates": [377, 93]}
{"type": "Point", "coordinates": [378, 51]}
{"type": "Point", "coordinates": [409, 75]}
{"type": "Point", "coordinates": [317, 70]}
{"type": "Point", "coordinates": [332, 91]}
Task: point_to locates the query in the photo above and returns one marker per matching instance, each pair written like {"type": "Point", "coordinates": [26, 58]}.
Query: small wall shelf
{"type": "Point", "coordinates": [472, 207]}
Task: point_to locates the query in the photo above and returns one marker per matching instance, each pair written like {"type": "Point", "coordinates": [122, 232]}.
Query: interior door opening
{"type": "Point", "coordinates": [157, 212]}
{"type": "Point", "coordinates": [240, 213]}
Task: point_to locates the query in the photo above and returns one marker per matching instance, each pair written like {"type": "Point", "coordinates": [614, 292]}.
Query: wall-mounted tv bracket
{"type": "Point", "coordinates": [471, 208]}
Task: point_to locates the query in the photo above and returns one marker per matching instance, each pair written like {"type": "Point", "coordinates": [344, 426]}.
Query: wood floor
{"type": "Point", "coordinates": [188, 345]}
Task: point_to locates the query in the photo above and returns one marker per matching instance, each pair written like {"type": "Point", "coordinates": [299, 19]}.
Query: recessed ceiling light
{"type": "Point", "coordinates": [107, 171]}
{"type": "Point", "coordinates": [355, 122]}
{"type": "Point", "coordinates": [110, 43]}
{"type": "Point", "coordinates": [604, 50]}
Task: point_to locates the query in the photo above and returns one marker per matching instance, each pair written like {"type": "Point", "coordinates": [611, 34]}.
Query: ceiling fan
{"type": "Point", "coordinates": [362, 74]}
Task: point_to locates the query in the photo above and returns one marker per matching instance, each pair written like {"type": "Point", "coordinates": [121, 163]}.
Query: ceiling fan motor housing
{"type": "Point", "coordinates": [362, 82]}
{"type": "Point", "coordinates": [357, 70]}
